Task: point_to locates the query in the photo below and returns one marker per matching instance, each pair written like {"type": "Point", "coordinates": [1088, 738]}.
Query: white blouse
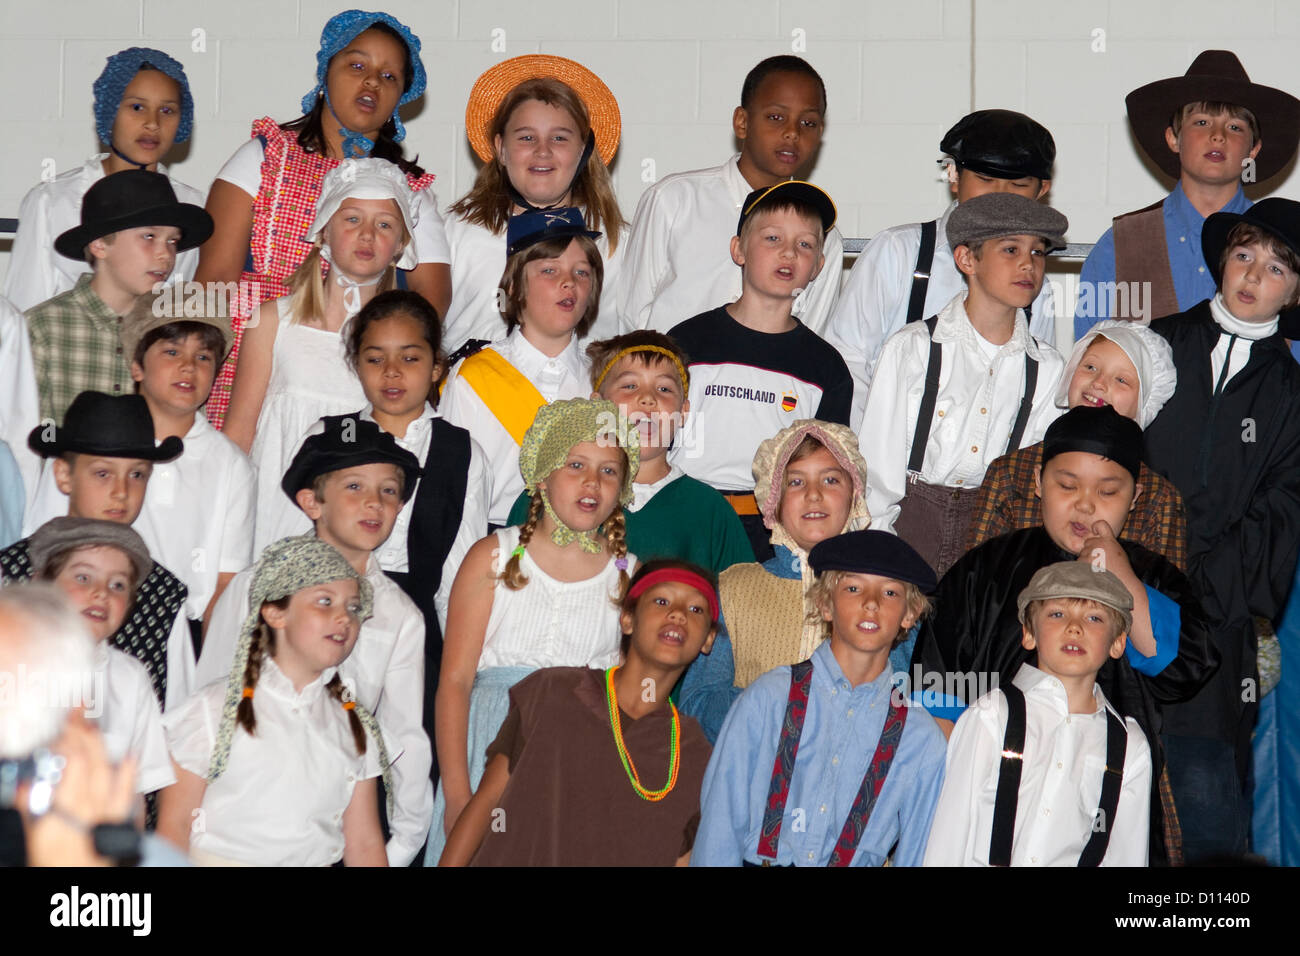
{"type": "Point", "coordinates": [129, 717]}
{"type": "Point", "coordinates": [550, 623]}
{"type": "Point", "coordinates": [282, 798]}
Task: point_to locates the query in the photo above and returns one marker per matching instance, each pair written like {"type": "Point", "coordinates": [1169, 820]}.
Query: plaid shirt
{"type": "Point", "coordinates": [76, 346]}
{"type": "Point", "coordinates": [1006, 502]}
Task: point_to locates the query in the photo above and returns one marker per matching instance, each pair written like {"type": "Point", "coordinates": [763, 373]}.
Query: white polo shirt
{"type": "Point", "coordinates": [565, 376]}
{"type": "Point", "coordinates": [36, 271]}
{"type": "Point", "coordinates": [386, 670]}
{"type": "Point", "coordinates": [679, 252]}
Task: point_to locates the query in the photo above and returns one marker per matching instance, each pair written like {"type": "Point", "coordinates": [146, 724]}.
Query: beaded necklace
{"type": "Point", "coordinates": [674, 745]}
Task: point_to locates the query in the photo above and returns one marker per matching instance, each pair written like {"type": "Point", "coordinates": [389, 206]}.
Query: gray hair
{"type": "Point", "coordinates": [46, 666]}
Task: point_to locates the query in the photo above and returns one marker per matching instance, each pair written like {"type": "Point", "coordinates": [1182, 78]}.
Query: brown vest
{"type": "Point", "coordinates": [1141, 256]}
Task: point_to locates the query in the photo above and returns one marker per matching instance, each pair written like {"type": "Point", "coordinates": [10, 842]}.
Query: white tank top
{"type": "Point", "coordinates": [550, 623]}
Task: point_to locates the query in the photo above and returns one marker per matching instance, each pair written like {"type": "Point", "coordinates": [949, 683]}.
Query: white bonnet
{"type": "Point", "coordinates": [1150, 355]}
{"type": "Point", "coordinates": [369, 179]}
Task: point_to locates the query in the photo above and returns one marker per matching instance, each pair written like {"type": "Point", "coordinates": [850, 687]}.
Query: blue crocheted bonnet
{"type": "Point", "coordinates": [341, 29]}
{"type": "Point", "coordinates": [120, 70]}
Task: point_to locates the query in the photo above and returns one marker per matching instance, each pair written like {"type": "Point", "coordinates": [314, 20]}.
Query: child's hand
{"type": "Point", "coordinates": [1104, 551]}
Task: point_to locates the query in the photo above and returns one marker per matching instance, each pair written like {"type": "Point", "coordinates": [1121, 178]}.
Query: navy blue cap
{"type": "Point", "coordinates": [873, 552]}
{"type": "Point", "coordinates": [345, 442]}
{"type": "Point", "coordinates": [529, 228]}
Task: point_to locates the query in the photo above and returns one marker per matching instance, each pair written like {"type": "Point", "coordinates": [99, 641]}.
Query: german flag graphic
{"type": "Point", "coordinates": [788, 402]}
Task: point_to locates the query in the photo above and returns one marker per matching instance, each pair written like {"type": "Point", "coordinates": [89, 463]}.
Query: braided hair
{"type": "Point", "coordinates": [512, 576]}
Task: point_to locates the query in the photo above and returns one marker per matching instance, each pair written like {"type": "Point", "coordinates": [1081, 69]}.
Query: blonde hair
{"type": "Point", "coordinates": [307, 283]}
{"type": "Point", "coordinates": [488, 203]}
{"type": "Point", "coordinates": [821, 597]}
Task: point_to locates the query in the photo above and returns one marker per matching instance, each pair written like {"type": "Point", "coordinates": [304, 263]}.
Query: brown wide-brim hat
{"type": "Point", "coordinates": [1216, 76]}
{"type": "Point", "coordinates": [153, 310]}
{"type": "Point", "coordinates": [497, 81]}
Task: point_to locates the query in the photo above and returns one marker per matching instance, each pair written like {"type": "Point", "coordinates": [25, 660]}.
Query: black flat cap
{"type": "Point", "coordinates": [1097, 431]}
{"type": "Point", "coordinates": [345, 441]}
{"type": "Point", "coordinates": [1001, 143]}
{"type": "Point", "coordinates": [873, 552]}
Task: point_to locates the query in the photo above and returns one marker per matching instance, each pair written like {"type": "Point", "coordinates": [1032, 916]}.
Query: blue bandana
{"type": "Point", "coordinates": [120, 70]}
{"type": "Point", "coordinates": [341, 30]}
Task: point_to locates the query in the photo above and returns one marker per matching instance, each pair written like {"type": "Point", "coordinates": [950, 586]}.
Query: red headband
{"type": "Point", "coordinates": [680, 576]}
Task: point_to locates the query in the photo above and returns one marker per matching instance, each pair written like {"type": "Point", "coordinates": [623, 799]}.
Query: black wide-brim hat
{"type": "Point", "coordinates": [1216, 76]}
{"type": "Point", "coordinates": [346, 441]}
{"type": "Point", "coordinates": [1278, 217]}
{"type": "Point", "coordinates": [110, 426]}
{"type": "Point", "coordinates": [128, 200]}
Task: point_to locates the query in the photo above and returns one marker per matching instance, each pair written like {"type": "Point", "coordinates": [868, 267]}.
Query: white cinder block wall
{"type": "Point", "coordinates": [898, 73]}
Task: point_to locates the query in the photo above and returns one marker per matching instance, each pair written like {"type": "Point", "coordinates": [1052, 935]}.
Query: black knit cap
{"type": "Point", "coordinates": [1001, 143]}
{"type": "Point", "coordinates": [345, 442]}
{"type": "Point", "coordinates": [1097, 431]}
{"type": "Point", "coordinates": [873, 552]}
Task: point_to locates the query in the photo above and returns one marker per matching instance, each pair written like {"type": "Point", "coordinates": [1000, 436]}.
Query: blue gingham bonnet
{"type": "Point", "coordinates": [341, 30]}
{"type": "Point", "coordinates": [120, 70]}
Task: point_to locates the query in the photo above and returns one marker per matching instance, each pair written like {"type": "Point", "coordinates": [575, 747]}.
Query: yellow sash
{"type": "Point", "coordinates": [510, 397]}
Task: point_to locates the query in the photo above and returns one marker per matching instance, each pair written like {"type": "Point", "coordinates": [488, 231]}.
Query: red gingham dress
{"type": "Point", "coordinates": [282, 213]}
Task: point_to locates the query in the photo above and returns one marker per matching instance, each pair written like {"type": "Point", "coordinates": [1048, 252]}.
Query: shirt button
{"type": "Point", "coordinates": [1201, 269]}
{"type": "Point", "coordinates": [1182, 238]}
{"type": "Point", "coordinates": [1059, 765]}
{"type": "Point", "coordinates": [835, 761]}
{"type": "Point", "coordinates": [834, 691]}
{"type": "Point", "coordinates": [1033, 859]}
{"type": "Point", "coordinates": [984, 411]}
{"type": "Point", "coordinates": [822, 809]}
{"type": "Point", "coordinates": [974, 447]}
{"type": "Point", "coordinates": [941, 414]}
{"type": "Point", "coordinates": [119, 350]}
{"type": "Point", "coordinates": [959, 481]}
{"type": "Point", "coordinates": [1047, 811]}
{"type": "Point", "coordinates": [850, 713]}
{"type": "Point", "coordinates": [117, 388]}
{"type": "Point", "coordinates": [810, 856]}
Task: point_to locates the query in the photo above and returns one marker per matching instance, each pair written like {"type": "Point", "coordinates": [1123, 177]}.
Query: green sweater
{"type": "Point", "coordinates": [685, 519]}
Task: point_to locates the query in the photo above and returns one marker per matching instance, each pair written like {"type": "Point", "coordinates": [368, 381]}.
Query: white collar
{"type": "Point", "coordinates": [428, 414]}
{"type": "Point", "coordinates": [274, 681]}
{"type": "Point", "coordinates": [954, 325]}
{"type": "Point", "coordinates": [95, 165]}
{"type": "Point", "coordinates": [643, 493]}
{"type": "Point", "coordinates": [1229, 324]}
{"type": "Point", "coordinates": [737, 185]}
{"type": "Point", "coordinates": [1033, 681]}
{"type": "Point", "coordinates": [531, 360]}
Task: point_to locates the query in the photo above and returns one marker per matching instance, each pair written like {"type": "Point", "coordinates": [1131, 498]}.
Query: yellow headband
{"type": "Point", "coordinates": [681, 369]}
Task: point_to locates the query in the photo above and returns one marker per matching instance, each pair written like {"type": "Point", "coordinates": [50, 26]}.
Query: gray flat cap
{"type": "Point", "coordinates": [995, 215]}
{"type": "Point", "coordinates": [62, 534]}
{"type": "Point", "coordinates": [1077, 579]}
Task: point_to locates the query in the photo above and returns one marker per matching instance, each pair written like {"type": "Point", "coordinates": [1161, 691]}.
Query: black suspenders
{"type": "Point", "coordinates": [921, 273]}
{"type": "Point", "coordinates": [1008, 793]}
{"type": "Point", "coordinates": [925, 417]}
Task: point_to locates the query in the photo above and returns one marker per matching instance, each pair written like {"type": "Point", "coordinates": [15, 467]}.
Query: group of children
{"type": "Point", "coordinates": [509, 534]}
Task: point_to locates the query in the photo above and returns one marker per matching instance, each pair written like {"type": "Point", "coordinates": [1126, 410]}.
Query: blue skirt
{"type": "Point", "coordinates": [489, 702]}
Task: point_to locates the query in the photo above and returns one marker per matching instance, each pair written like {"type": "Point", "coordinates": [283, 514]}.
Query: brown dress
{"type": "Point", "coordinates": [569, 801]}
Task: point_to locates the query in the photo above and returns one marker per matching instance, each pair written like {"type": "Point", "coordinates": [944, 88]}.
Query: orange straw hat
{"type": "Point", "coordinates": [497, 81]}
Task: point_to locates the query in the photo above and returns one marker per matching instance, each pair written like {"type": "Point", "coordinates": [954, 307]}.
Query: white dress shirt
{"type": "Point", "coordinates": [565, 376]}
{"type": "Point", "coordinates": [129, 717]}
{"type": "Point", "coordinates": [197, 516]}
{"type": "Point", "coordinates": [20, 403]}
{"type": "Point", "coordinates": [679, 252]}
{"type": "Point", "coordinates": [36, 271]}
{"type": "Point", "coordinates": [282, 797]}
{"type": "Point", "coordinates": [873, 304]}
{"type": "Point", "coordinates": [1060, 783]}
{"type": "Point", "coordinates": [478, 260]}
{"type": "Point", "coordinates": [385, 669]}
{"type": "Point", "coordinates": [974, 414]}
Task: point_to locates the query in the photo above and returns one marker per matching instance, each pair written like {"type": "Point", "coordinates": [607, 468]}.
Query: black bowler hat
{"type": "Point", "coordinates": [1002, 144]}
{"type": "Point", "coordinates": [112, 426]}
{"type": "Point", "coordinates": [128, 200]}
{"type": "Point", "coordinates": [1277, 217]}
{"type": "Point", "coordinates": [345, 441]}
{"type": "Point", "coordinates": [873, 552]}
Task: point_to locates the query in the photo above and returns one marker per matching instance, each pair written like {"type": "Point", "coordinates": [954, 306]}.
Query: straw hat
{"type": "Point", "coordinates": [496, 82]}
